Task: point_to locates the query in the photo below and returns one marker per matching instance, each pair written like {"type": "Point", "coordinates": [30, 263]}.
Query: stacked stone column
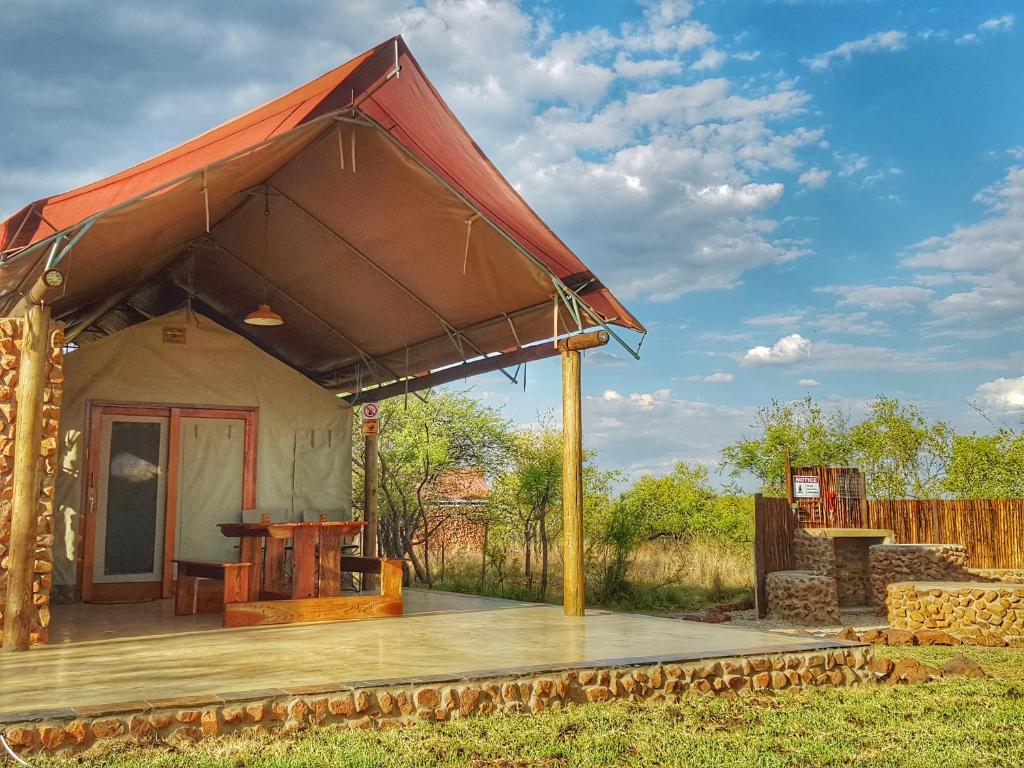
{"type": "Point", "coordinates": [11, 335]}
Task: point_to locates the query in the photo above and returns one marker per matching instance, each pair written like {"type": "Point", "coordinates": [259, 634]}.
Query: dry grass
{"type": "Point", "coordinates": [712, 565]}
{"type": "Point", "coordinates": [664, 575]}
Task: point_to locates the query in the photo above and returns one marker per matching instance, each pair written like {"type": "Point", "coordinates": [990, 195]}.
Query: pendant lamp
{"type": "Point", "coordinates": [263, 314]}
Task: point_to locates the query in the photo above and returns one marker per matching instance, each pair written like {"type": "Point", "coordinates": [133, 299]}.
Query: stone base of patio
{"type": "Point", "coordinates": [392, 703]}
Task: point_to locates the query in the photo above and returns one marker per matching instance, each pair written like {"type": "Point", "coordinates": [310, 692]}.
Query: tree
{"type": "Point", "coordinates": [680, 505]}
{"type": "Point", "coordinates": [802, 428]}
{"type": "Point", "coordinates": [901, 453]}
{"type": "Point", "coordinates": [526, 501]}
{"type": "Point", "coordinates": [986, 466]}
{"type": "Point", "coordinates": [419, 443]}
{"type": "Point", "coordinates": [528, 490]}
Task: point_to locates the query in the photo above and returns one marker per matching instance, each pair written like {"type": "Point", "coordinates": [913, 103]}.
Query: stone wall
{"type": "Point", "coordinates": [975, 613]}
{"type": "Point", "coordinates": [853, 579]}
{"type": "Point", "coordinates": [383, 705]}
{"type": "Point", "coordinates": [802, 597]}
{"type": "Point", "coordinates": [1013, 575]}
{"type": "Point", "coordinates": [10, 354]}
{"type": "Point", "coordinates": [891, 563]}
{"type": "Point", "coordinates": [813, 551]}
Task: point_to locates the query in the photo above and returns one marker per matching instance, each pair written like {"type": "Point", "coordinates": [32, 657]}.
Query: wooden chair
{"type": "Point", "coordinates": [350, 582]}
{"type": "Point", "coordinates": [234, 577]}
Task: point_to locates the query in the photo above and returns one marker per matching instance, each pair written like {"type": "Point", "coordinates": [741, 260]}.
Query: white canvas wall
{"type": "Point", "coordinates": [304, 435]}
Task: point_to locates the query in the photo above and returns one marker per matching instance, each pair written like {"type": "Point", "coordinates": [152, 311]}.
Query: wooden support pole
{"type": "Point", "coordinates": [788, 480]}
{"type": "Point", "coordinates": [573, 583]}
{"type": "Point", "coordinates": [371, 474]}
{"type": "Point", "coordinates": [573, 587]}
{"type": "Point", "coordinates": [24, 506]}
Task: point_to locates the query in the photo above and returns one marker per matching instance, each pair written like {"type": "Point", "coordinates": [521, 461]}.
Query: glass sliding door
{"type": "Point", "coordinates": [131, 499]}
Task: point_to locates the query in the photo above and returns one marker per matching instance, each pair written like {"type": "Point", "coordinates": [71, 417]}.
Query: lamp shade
{"type": "Point", "coordinates": [264, 315]}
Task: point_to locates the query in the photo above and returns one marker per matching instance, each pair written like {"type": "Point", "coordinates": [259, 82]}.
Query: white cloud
{"type": "Point", "coordinates": [814, 178]}
{"type": "Point", "coordinates": [809, 383]}
{"type": "Point", "coordinates": [987, 257]}
{"type": "Point", "coordinates": [713, 378]}
{"type": "Point", "coordinates": [653, 430]}
{"type": "Point", "coordinates": [999, 24]}
{"type": "Point", "coordinates": [747, 55]}
{"type": "Point", "coordinates": [881, 297]}
{"type": "Point", "coordinates": [711, 58]}
{"type": "Point", "coordinates": [893, 40]}
{"type": "Point", "coordinates": [628, 67]}
{"type": "Point", "coordinates": [786, 351]}
{"type": "Point", "coordinates": [851, 323]}
{"type": "Point", "coordinates": [886, 173]}
{"type": "Point", "coordinates": [989, 26]}
{"type": "Point", "coordinates": [852, 163]}
{"type": "Point", "coordinates": [1001, 397]}
{"type": "Point", "coordinates": [779, 318]}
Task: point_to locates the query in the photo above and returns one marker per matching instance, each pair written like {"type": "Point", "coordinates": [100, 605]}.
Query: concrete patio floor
{"type": "Point", "coordinates": [92, 663]}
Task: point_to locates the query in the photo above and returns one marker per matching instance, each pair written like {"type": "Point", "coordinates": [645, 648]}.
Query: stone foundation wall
{"type": "Point", "coordinates": [891, 563]}
{"type": "Point", "coordinates": [11, 331]}
{"type": "Point", "coordinates": [974, 613]}
{"type": "Point", "coordinates": [385, 705]}
{"type": "Point", "coordinates": [802, 597]}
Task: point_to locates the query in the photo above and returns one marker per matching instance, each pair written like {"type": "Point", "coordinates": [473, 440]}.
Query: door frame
{"type": "Point", "coordinates": [85, 589]}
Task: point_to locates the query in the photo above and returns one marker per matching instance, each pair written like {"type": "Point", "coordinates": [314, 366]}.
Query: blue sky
{"type": "Point", "coordinates": [795, 197]}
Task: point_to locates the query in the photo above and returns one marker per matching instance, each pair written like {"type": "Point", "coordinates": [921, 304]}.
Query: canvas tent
{"type": "Point", "coordinates": [304, 434]}
{"type": "Point", "coordinates": [360, 209]}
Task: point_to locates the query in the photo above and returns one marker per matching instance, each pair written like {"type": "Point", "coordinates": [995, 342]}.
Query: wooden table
{"type": "Point", "coordinates": [316, 556]}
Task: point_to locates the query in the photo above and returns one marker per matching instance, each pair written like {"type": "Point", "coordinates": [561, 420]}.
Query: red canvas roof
{"type": "Point", "coordinates": [383, 88]}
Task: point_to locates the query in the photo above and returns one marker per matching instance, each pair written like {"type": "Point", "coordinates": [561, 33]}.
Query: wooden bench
{"type": "Point", "coordinates": [234, 576]}
{"type": "Point", "coordinates": [328, 608]}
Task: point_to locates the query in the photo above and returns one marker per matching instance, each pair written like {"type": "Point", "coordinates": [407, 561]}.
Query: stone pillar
{"type": "Point", "coordinates": [12, 331]}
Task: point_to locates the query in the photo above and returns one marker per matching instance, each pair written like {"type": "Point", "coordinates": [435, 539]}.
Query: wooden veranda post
{"type": "Point", "coordinates": [573, 587]}
{"type": "Point", "coordinates": [28, 434]}
{"type": "Point", "coordinates": [371, 473]}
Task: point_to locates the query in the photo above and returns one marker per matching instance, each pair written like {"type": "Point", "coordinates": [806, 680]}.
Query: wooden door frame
{"type": "Point", "coordinates": [95, 411]}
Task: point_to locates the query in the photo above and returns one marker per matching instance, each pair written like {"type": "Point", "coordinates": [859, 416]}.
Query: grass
{"type": "Point", "coordinates": [664, 576]}
{"type": "Point", "coordinates": [953, 723]}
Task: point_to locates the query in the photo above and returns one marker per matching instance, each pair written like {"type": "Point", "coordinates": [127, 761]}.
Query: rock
{"type": "Point", "coordinates": [342, 706]}
{"type": "Point", "coordinates": [107, 727]}
{"type": "Point", "coordinates": [913, 671]}
{"type": "Point", "coordinates": [427, 698]}
{"type": "Point", "coordinates": [873, 636]}
{"type": "Point", "coordinates": [140, 728]}
{"type": "Point", "coordinates": [881, 666]}
{"type": "Point", "coordinates": [899, 637]}
{"type": "Point", "coordinates": [935, 637]}
{"type": "Point", "coordinates": [51, 737]}
{"type": "Point", "coordinates": [961, 666]}
{"type": "Point", "coordinates": [77, 731]}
